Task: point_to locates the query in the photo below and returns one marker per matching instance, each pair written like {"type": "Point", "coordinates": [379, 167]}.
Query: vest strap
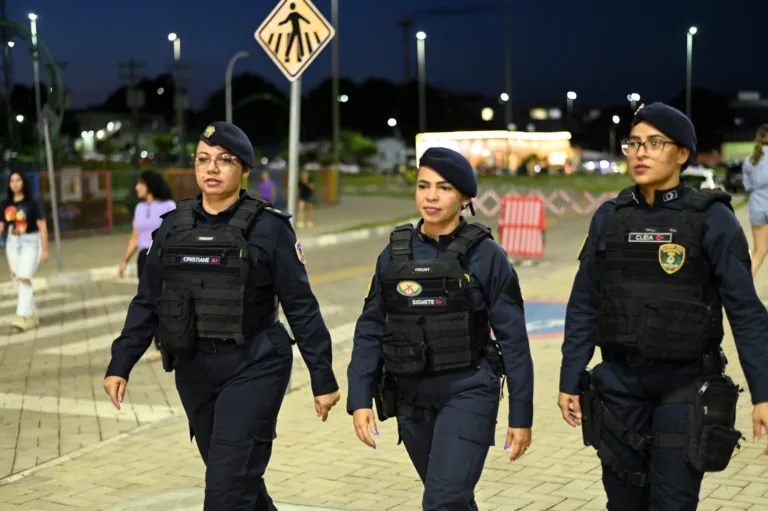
{"type": "Point", "coordinates": [401, 243]}
{"type": "Point", "coordinates": [467, 238]}
{"type": "Point", "coordinates": [246, 213]}
{"type": "Point", "coordinates": [185, 215]}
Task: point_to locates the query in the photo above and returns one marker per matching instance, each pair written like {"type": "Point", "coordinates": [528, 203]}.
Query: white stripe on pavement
{"type": "Point", "coordinates": [75, 306]}
{"type": "Point", "coordinates": [116, 319]}
{"type": "Point", "coordinates": [53, 295]}
{"type": "Point", "coordinates": [84, 407]}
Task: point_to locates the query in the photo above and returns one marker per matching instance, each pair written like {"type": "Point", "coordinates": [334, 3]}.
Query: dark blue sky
{"type": "Point", "coordinates": [601, 49]}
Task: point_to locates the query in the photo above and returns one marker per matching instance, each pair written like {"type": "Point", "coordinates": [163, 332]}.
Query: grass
{"type": "Point", "coordinates": [380, 223]}
{"type": "Point", "coordinates": [595, 183]}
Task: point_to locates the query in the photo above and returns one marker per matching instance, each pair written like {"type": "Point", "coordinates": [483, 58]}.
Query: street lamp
{"type": "Point", "coordinates": [571, 97]}
{"type": "Point", "coordinates": [228, 82]}
{"type": "Point", "coordinates": [616, 120]}
{"type": "Point", "coordinates": [392, 122]}
{"type": "Point", "coordinates": [420, 49]}
{"type": "Point", "coordinates": [19, 118]}
{"type": "Point", "coordinates": [11, 44]}
{"type": "Point", "coordinates": [35, 64]}
{"type": "Point", "coordinates": [633, 99]}
{"type": "Point", "coordinates": [504, 97]}
{"type": "Point", "coordinates": [176, 40]}
{"type": "Point", "coordinates": [486, 114]}
{"type": "Point", "coordinates": [689, 70]}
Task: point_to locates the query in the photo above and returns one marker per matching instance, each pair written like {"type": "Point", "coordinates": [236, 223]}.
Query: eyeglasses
{"type": "Point", "coordinates": [653, 146]}
{"type": "Point", "coordinates": [223, 162]}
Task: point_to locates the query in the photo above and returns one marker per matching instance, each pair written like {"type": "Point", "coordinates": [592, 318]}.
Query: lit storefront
{"type": "Point", "coordinates": [491, 151]}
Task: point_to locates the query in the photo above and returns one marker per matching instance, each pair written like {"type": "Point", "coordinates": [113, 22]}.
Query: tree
{"type": "Point", "coordinates": [356, 146]}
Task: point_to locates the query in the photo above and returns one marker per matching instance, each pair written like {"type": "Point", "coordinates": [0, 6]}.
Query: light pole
{"type": "Point", "coordinates": [36, 75]}
{"type": "Point", "coordinates": [616, 120]}
{"type": "Point", "coordinates": [507, 65]}
{"type": "Point", "coordinates": [633, 99]}
{"type": "Point", "coordinates": [421, 38]}
{"type": "Point", "coordinates": [335, 106]}
{"type": "Point", "coordinates": [179, 95]}
{"type": "Point", "coordinates": [689, 70]}
{"type": "Point", "coordinates": [228, 81]}
{"type": "Point", "coordinates": [571, 97]}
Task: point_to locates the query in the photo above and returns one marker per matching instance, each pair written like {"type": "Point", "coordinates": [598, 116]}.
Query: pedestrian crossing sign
{"type": "Point", "coordinates": [293, 35]}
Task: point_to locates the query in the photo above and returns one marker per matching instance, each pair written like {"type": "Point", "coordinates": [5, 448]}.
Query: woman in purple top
{"type": "Point", "coordinates": [146, 218]}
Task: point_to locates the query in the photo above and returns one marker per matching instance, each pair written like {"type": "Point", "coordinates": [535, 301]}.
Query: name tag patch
{"type": "Point", "coordinates": [438, 301]}
{"type": "Point", "coordinates": [650, 237]}
{"type": "Point", "coordinates": [200, 260]}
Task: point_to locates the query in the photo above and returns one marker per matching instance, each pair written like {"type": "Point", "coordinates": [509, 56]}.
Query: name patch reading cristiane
{"type": "Point", "coordinates": [438, 301]}
{"type": "Point", "coordinates": [650, 237]}
{"type": "Point", "coordinates": [200, 260]}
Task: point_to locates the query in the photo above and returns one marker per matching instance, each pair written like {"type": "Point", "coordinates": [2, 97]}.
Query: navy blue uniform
{"type": "Point", "coordinates": [449, 450]}
{"type": "Point", "coordinates": [232, 393]}
{"type": "Point", "coordinates": [631, 393]}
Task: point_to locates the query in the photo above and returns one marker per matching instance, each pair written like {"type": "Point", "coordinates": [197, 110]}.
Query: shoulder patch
{"type": "Point", "coordinates": [300, 253]}
{"type": "Point", "coordinates": [370, 285]}
{"type": "Point", "coordinates": [277, 212]}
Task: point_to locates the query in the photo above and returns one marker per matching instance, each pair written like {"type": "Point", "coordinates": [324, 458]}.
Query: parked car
{"type": "Point", "coordinates": [701, 178]}
{"type": "Point", "coordinates": [734, 178]}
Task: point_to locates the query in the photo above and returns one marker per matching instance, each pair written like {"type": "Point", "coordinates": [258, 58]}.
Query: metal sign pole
{"type": "Point", "coordinates": [52, 186]}
{"type": "Point", "coordinates": [293, 148]}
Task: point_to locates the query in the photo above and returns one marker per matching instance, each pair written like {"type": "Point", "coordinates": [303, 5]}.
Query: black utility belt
{"type": "Point", "coordinates": [716, 356]}
{"type": "Point", "coordinates": [211, 345]}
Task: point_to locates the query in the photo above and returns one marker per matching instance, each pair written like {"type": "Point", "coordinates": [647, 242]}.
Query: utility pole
{"type": "Point", "coordinates": [406, 24]}
{"type": "Point", "coordinates": [181, 100]}
{"type": "Point", "coordinates": [135, 100]}
{"type": "Point", "coordinates": [5, 37]}
{"type": "Point", "coordinates": [335, 86]}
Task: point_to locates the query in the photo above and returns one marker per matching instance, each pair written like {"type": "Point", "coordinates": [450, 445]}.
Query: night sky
{"type": "Point", "coordinates": [601, 49]}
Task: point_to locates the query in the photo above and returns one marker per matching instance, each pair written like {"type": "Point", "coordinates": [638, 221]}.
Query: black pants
{"type": "Point", "coordinates": [140, 269]}
{"type": "Point", "coordinates": [232, 396]}
{"type": "Point", "coordinates": [448, 450]}
{"type": "Point", "coordinates": [632, 394]}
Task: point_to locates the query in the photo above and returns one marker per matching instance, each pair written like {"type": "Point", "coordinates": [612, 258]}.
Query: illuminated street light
{"type": "Point", "coordinates": [392, 122]}
{"type": "Point", "coordinates": [689, 69]}
{"type": "Point", "coordinates": [421, 36]}
{"type": "Point", "coordinates": [11, 44]}
{"type": "Point", "coordinates": [343, 98]}
{"type": "Point", "coordinates": [504, 96]}
{"type": "Point", "coordinates": [693, 30]}
{"type": "Point", "coordinates": [19, 118]}
{"type": "Point", "coordinates": [32, 16]}
{"type": "Point", "coordinates": [616, 119]}
{"type": "Point", "coordinates": [487, 114]}
{"type": "Point", "coordinates": [571, 95]}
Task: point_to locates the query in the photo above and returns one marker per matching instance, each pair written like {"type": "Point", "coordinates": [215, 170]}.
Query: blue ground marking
{"type": "Point", "coordinates": [544, 318]}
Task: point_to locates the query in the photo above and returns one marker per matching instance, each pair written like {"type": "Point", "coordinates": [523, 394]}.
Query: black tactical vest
{"type": "Point", "coordinates": [430, 327]}
{"type": "Point", "coordinates": [211, 266]}
{"type": "Point", "coordinates": [658, 298]}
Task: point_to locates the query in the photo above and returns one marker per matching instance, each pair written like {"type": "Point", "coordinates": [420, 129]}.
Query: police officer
{"type": "Point", "coordinates": [215, 272]}
{"type": "Point", "coordinates": [423, 343]}
{"type": "Point", "coordinates": [659, 264]}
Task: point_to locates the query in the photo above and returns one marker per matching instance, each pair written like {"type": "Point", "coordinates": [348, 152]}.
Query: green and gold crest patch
{"type": "Point", "coordinates": [671, 257]}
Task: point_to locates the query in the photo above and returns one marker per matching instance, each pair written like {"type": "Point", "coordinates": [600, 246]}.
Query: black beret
{"type": "Point", "coordinates": [228, 136]}
{"type": "Point", "coordinates": [454, 167]}
{"type": "Point", "coordinates": [670, 121]}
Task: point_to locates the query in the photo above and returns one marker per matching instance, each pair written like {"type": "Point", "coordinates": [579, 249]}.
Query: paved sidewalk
{"type": "Point", "coordinates": [64, 447]}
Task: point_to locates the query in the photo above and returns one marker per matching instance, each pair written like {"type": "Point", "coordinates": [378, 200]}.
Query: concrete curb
{"type": "Point", "coordinates": [110, 272]}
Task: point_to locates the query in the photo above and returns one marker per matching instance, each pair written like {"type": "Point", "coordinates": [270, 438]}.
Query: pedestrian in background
{"type": "Point", "coordinates": [423, 347]}
{"type": "Point", "coordinates": [755, 176]}
{"type": "Point", "coordinates": [267, 188]}
{"type": "Point", "coordinates": [26, 246]}
{"type": "Point", "coordinates": [157, 201]}
{"type": "Point", "coordinates": [306, 194]}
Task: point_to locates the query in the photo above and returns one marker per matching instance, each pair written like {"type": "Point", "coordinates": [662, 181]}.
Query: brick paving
{"type": "Point", "coordinates": [63, 446]}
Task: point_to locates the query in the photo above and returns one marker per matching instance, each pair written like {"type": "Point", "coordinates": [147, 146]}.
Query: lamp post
{"type": "Point", "coordinates": [228, 81]}
{"type": "Point", "coordinates": [421, 38]}
{"type": "Point", "coordinates": [616, 120]}
{"type": "Point", "coordinates": [179, 96]}
{"type": "Point", "coordinates": [36, 76]}
{"type": "Point", "coordinates": [689, 70]}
